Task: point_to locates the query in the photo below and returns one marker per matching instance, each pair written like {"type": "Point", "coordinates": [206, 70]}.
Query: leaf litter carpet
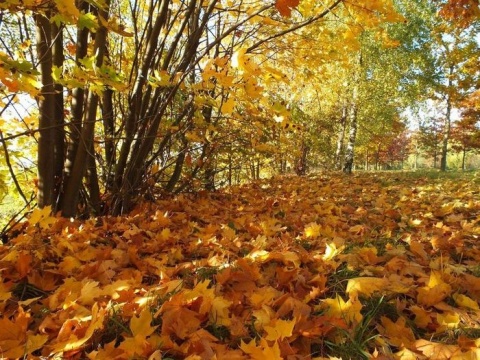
{"type": "Point", "coordinates": [381, 266]}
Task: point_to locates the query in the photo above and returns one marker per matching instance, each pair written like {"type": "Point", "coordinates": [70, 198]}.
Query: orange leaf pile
{"type": "Point", "coordinates": [286, 268]}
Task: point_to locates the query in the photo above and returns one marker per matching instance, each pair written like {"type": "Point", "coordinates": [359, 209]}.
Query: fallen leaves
{"type": "Point", "coordinates": [279, 269]}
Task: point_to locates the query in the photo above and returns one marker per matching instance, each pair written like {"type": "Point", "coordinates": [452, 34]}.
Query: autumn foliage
{"type": "Point", "coordinates": [278, 269]}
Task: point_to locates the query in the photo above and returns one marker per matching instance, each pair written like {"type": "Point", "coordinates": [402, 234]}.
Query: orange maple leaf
{"type": "Point", "coordinates": [24, 264]}
{"type": "Point", "coordinates": [285, 6]}
{"type": "Point", "coordinates": [397, 332]}
{"type": "Point", "coordinates": [141, 329]}
{"type": "Point", "coordinates": [262, 351]}
{"type": "Point", "coordinates": [279, 329]}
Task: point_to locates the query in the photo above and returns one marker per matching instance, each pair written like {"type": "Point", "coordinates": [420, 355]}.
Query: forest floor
{"type": "Point", "coordinates": [374, 265]}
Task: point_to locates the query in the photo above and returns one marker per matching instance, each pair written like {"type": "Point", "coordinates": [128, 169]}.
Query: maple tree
{"type": "Point", "coordinates": [465, 133]}
{"type": "Point", "coordinates": [104, 165]}
{"type": "Point", "coordinates": [430, 136]}
{"type": "Point", "coordinates": [142, 120]}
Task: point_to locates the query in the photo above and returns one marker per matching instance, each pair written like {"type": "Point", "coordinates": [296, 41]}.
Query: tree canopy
{"type": "Point", "coordinates": [200, 179]}
{"type": "Point", "coordinates": [106, 103]}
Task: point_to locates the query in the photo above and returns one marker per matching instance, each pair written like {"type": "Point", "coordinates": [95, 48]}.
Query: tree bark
{"type": "Point", "coordinates": [59, 132]}
{"type": "Point", "coordinates": [447, 123]}
{"type": "Point", "coordinates": [177, 172]}
{"type": "Point", "coordinates": [350, 150]}
{"type": "Point", "coordinates": [46, 139]}
{"type": "Point", "coordinates": [84, 154]}
{"type": "Point", "coordinates": [137, 100]}
{"type": "Point", "coordinates": [353, 114]}
{"type": "Point", "coordinates": [109, 130]}
{"type": "Point", "coordinates": [77, 105]}
{"type": "Point", "coordinates": [340, 138]}
{"type": "Point", "coordinates": [301, 165]}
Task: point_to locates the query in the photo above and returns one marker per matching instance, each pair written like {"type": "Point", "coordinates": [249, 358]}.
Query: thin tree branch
{"type": "Point", "coordinates": [297, 26]}
{"type": "Point", "coordinates": [10, 169]}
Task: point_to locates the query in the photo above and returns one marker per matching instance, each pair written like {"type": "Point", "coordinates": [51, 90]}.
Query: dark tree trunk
{"type": "Point", "coordinates": [84, 156]}
{"type": "Point", "coordinates": [93, 182]}
{"type": "Point", "coordinates": [109, 129]}
{"type": "Point", "coordinates": [177, 172]}
{"type": "Point", "coordinates": [209, 172]}
{"type": "Point", "coordinates": [47, 106]}
{"type": "Point", "coordinates": [301, 165]}
{"type": "Point", "coordinates": [59, 132]}
{"type": "Point", "coordinates": [78, 104]}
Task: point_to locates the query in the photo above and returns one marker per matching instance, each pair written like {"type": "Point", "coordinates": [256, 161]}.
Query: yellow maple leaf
{"type": "Point", "coordinates": [73, 343]}
{"type": "Point", "coordinates": [433, 350]}
{"type": "Point", "coordinates": [312, 230]}
{"type": "Point", "coordinates": [406, 354]}
{"type": "Point", "coordinates": [366, 285]}
{"type": "Point", "coordinates": [68, 264]}
{"type": "Point", "coordinates": [262, 351]}
{"type": "Point", "coordinates": [13, 335]}
{"type": "Point", "coordinates": [89, 292]}
{"type": "Point", "coordinates": [202, 290]}
{"type": "Point", "coordinates": [422, 316]}
{"type": "Point", "coordinates": [5, 294]}
{"type": "Point", "coordinates": [263, 317]}
{"type": "Point", "coordinates": [397, 333]}
{"type": "Point", "coordinates": [264, 296]}
{"type": "Point", "coordinates": [141, 329]}
{"type": "Point", "coordinates": [43, 217]}
{"type": "Point", "coordinates": [448, 320]}
{"type": "Point", "coordinates": [349, 311]}
{"type": "Point", "coordinates": [141, 325]}
{"type": "Point", "coordinates": [435, 291]}
{"type": "Point", "coordinates": [331, 251]}
{"type": "Point", "coordinates": [219, 314]}
{"type": "Point", "coordinates": [279, 329]}
{"type": "Point", "coordinates": [68, 9]}
{"type": "Point", "coordinates": [228, 106]}
{"type": "Point", "coordinates": [465, 301]}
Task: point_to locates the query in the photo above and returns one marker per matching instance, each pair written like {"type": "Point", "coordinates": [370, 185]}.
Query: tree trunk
{"type": "Point", "coordinates": [209, 172]}
{"type": "Point", "coordinates": [59, 132]}
{"type": "Point", "coordinates": [93, 182]}
{"type": "Point", "coordinates": [447, 123]}
{"type": "Point", "coordinates": [340, 139]}
{"type": "Point", "coordinates": [109, 129]}
{"type": "Point", "coordinates": [464, 155]}
{"type": "Point", "coordinates": [230, 168]}
{"type": "Point", "coordinates": [350, 150]}
{"type": "Point", "coordinates": [77, 105]}
{"type": "Point", "coordinates": [84, 155]}
{"type": "Point", "coordinates": [47, 105]}
{"type": "Point", "coordinates": [177, 171]}
{"type": "Point", "coordinates": [301, 165]}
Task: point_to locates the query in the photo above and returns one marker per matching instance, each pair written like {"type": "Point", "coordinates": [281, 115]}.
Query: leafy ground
{"type": "Point", "coordinates": [382, 266]}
